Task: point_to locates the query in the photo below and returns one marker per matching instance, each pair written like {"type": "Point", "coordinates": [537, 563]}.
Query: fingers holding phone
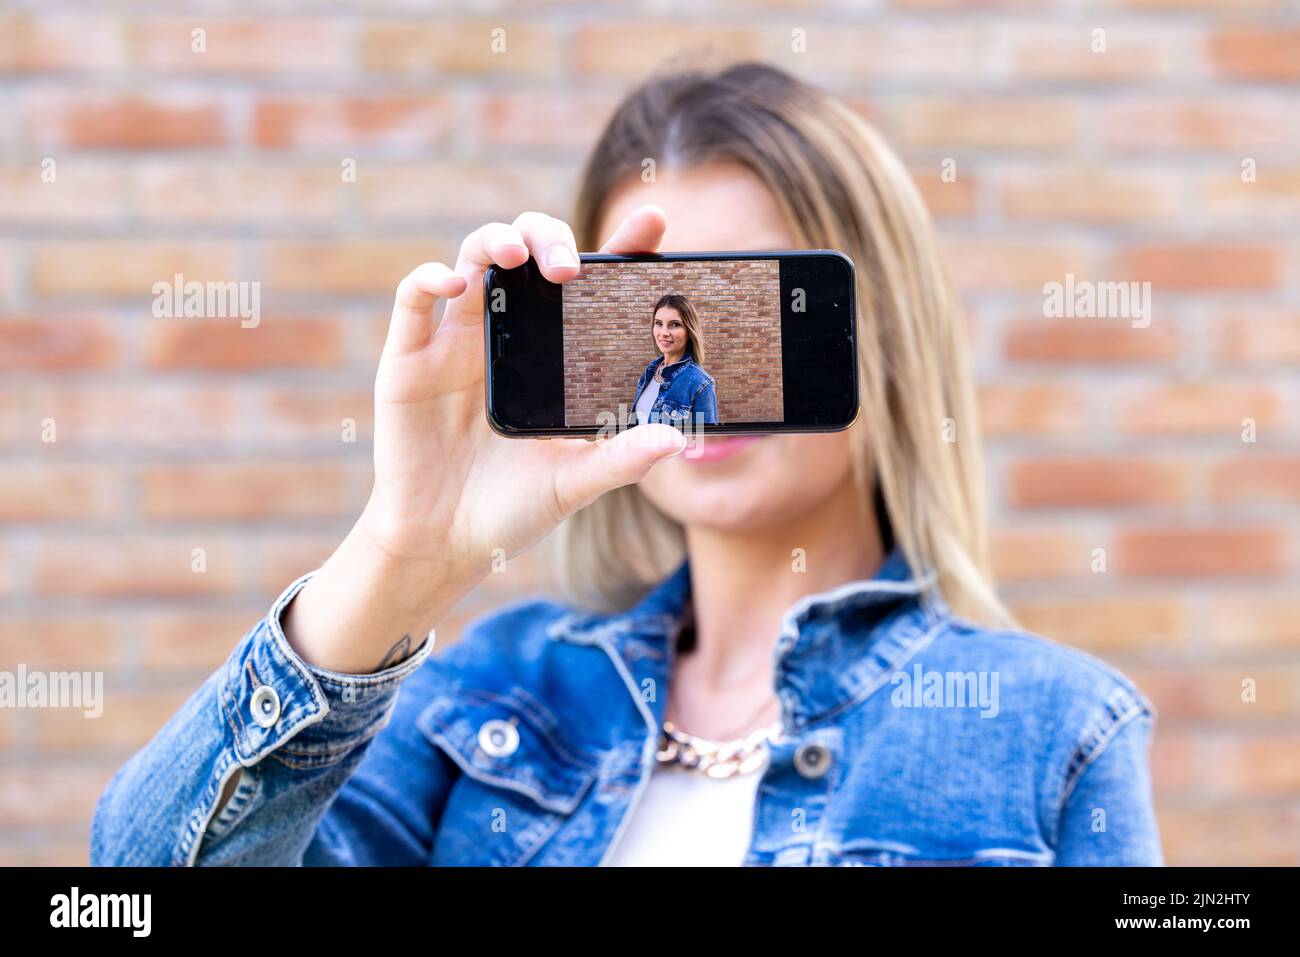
{"type": "Point", "coordinates": [430, 429]}
{"type": "Point", "coordinates": [418, 365]}
{"type": "Point", "coordinates": [641, 232]}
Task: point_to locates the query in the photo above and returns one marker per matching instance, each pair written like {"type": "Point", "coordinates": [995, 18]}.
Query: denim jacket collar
{"type": "Point", "coordinates": [670, 371]}
{"type": "Point", "coordinates": [831, 650]}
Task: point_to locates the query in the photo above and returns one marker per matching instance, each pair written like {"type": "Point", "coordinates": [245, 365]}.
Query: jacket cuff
{"type": "Point", "coordinates": [270, 695]}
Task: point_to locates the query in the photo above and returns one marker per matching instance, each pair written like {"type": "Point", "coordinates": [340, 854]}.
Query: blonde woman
{"type": "Point", "coordinates": [674, 387]}
{"type": "Point", "coordinates": [785, 650]}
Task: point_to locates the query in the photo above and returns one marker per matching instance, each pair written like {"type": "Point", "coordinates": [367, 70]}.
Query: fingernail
{"type": "Point", "coordinates": [561, 255]}
{"type": "Point", "coordinates": [511, 241]}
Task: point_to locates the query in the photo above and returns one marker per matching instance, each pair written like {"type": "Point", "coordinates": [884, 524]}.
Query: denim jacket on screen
{"type": "Point", "coordinates": [687, 391]}
{"type": "Point", "coordinates": [528, 742]}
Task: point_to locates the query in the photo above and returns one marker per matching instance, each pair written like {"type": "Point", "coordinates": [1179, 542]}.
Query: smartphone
{"type": "Point", "coordinates": [710, 342]}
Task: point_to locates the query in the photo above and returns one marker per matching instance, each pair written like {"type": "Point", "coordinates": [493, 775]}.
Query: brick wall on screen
{"type": "Point", "coordinates": [607, 343]}
{"type": "Point", "coordinates": [182, 433]}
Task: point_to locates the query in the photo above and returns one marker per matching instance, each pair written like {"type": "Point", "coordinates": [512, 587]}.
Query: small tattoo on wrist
{"type": "Point", "coordinates": [399, 652]}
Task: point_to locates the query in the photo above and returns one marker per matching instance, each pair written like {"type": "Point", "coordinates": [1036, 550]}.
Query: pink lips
{"type": "Point", "coordinates": [715, 448]}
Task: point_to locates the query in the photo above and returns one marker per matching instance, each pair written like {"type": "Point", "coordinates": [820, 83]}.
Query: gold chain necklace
{"type": "Point", "coordinates": [717, 759]}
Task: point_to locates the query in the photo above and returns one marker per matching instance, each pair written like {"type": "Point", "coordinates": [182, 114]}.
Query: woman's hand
{"type": "Point", "coordinates": [447, 487]}
{"type": "Point", "coordinates": [450, 495]}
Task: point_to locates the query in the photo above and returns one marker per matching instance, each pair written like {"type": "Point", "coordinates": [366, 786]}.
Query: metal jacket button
{"type": "Point", "coordinates": [265, 706]}
{"type": "Point", "coordinates": [498, 738]}
{"type": "Point", "coordinates": [812, 760]}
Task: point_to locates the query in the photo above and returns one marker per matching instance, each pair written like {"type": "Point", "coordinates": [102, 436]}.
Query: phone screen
{"type": "Point", "coordinates": [706, 342]}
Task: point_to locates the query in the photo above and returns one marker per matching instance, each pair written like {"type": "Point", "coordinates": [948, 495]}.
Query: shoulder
{"type": "Point", "coordinates": [1035, 661]}
{"type": "Point", "coordinates": [508, 646]}
{"type": "Point", "coordinates": [698, 375]}
{"type": "Point", "coordinates": [521, 662]}
{"type": "Point", "coordinates": [508, 637]}
{"type": "Point", "coordinates": [533, 643]}
{"type": "Point", "coordinates": [1068, 703]}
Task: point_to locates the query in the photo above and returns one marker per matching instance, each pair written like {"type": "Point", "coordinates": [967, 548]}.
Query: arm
{"type": "Point", "coordinates": [1108, 817]}
{"type": "Point", "coordinates": [706, 403]}
{"type": "Point", "coordinates": [246, 770]}
{"type": "Point", "coordinates": [389, 811]}
{"type": "Point", "coordinates": [161, 808]}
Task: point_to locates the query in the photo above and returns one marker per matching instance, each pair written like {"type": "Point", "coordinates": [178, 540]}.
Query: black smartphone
{"type": "Point", "coordinates": [710, 342]}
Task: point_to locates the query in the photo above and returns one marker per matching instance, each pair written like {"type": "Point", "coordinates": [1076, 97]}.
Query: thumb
{"type": "Point", "coordinates": [607, 464]}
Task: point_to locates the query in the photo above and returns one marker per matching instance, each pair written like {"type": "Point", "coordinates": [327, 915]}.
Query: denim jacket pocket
{"type": "Point", "coordinates": [674, 413]}
{"type": "Point", "coordinates": [520, 778]}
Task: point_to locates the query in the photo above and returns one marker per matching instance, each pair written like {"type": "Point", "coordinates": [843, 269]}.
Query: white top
{"type": "Point", "coordinates": [647, 399]}
{"type": "Point", "coordinates": [687, 819]}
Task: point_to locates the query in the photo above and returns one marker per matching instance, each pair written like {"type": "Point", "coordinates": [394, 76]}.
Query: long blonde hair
{"type": "Point", "coordinates": [840, 187]}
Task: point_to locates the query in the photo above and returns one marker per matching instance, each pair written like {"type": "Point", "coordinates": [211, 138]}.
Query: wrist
{"type": "Point", "coordinates": [384, 539]}
{"type": "Point", "coordinates": [366, 601]}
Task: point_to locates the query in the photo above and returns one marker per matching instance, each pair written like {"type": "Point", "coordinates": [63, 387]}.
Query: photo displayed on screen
{"type": "Point", "coordinates": [685, 343]}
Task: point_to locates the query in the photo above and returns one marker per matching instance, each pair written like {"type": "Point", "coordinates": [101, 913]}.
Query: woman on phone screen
{"type": "Point", "coordinates": [784, 650]}
{"type": "Point", "coordinates": [674, 387]}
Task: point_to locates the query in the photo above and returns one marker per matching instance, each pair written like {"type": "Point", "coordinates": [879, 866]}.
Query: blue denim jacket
{"type": "Point", "coordinates": [528, 742]}
{"type": "Point", "coordinates": [687, 392]}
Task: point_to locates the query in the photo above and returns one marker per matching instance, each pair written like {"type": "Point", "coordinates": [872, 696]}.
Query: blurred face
{"type": "Point", "coordinates": [743, 482]}
{"type": "Point", "coordinates": [669, 331]}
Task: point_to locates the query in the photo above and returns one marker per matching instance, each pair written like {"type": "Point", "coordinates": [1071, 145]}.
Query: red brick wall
{"type": "Point", "coordinates": [185, 433]}
{"type": "Point", "coordinates": [608, 310]}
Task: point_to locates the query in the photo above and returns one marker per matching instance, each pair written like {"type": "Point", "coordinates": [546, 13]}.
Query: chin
{"type": "Point", "coordinates": [766, 484]}
{"type": "Point", "coordinates": [732, 505]}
